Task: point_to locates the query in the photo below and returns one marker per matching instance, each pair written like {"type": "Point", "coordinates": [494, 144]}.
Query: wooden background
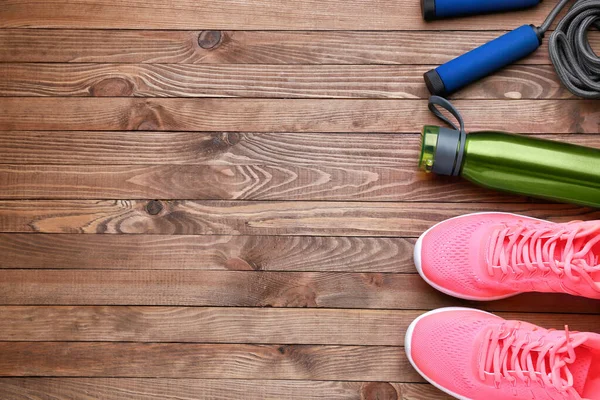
{"type": "Point", "coordinates": [219, 199]}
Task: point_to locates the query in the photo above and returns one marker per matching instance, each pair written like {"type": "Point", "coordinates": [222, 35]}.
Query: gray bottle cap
{"type": "Point", "coordinates": [445, 151]}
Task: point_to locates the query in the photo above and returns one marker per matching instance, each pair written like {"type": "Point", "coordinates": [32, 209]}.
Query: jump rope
{"type": "Point", "coordinates": [576, 63]}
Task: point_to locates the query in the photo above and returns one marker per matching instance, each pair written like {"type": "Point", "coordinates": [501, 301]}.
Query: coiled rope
{"type": "Point", "coordinates": [576, 63]}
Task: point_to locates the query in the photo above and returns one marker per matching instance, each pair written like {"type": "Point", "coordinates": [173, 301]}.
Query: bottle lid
{"type": "Point", "coordinates": [442, 149]}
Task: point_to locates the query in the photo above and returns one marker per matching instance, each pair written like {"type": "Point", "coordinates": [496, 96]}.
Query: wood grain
{"type": "Point", "coordinates": [249, 47]}
{"type": "Point", "coordinates": [255, 14]}
{"type": "Point", "coordinates": [291, 171]}
{"type": "Point", "coordinates": [295, 115]}
{"type": "Point", "coordinates": [214, 361]}
{"type": "Point", "coordinates": [215, 148]}
{"type": "Point", "coordinates": [203, 389]}
{"type": "Point", "coordinates": [343, 150]}
{"type": "Point", "coordinates": [207, 325]}
{"type": "Point", "coordinates": [254, 289]}
{"type": "Point", "coordinates": [294, 218]}
{"type": "Point", "coordinates": [234, 325]}
{"type": "Point", "coordinates": [249, 182]}
{"type": "Point", "coordinates": [217, 253]}
{"type": "Point", "coordinates": [264, 81]}
{"type": "Point", "coordinates": [216, 288]}
{"type": "Point", "coordinates": [219, 199]}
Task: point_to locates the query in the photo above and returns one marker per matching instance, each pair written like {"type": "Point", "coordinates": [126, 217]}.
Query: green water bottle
{"type": "Point", "coordinates": [513, 163]}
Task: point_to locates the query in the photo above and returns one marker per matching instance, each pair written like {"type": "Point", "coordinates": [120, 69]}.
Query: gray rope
{"type": "Point", "coordinates": [577, 65]}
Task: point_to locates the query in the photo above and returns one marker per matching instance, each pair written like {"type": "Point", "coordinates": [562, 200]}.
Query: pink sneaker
{"type": "Point", "coordinates": [473, 355]}
{"type": "Point", "coordinates": [490, 256]}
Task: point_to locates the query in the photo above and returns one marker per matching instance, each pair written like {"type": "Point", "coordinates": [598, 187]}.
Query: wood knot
{"type": "Point", "coordinates": [221, 142]}
{"type": "Point", "coordinates": [210, 39]}
{"type": "Point", "coordinates": [513, 95]}
{"type": "Point", "coordinates": [147, 126]}
{"type": "Point", "coordinates": [146, 115]}
{"type": "Point", "coordinates": [298, 296]}
{"type": "Point", "coordinates": [378, 391]}
{"type": "Point", "coordinates": [239, 264]}
{"type": "Point", "coordinates": [374, 279]}
{"type": "Point", "coordinates": [231, 138]}
{"type": "Point", "coordinates": [154, 207]}
{"type": "Point", "coordinates": [112, 87]}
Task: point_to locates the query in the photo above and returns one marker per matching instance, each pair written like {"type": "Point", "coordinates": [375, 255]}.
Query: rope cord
{"type": "Point", "coordinates": [576, 63]}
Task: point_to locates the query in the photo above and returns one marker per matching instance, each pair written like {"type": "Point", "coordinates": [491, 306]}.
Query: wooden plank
{"type": "Point", "coordinates": [253, 289]}
{"type": "Point", "coordinates": [254, 14]}
{"type": "Point", "coordinates": [264, 81]}
{"type": "Point", "coordinates": [250, 182]}
{"type": "Point", "coordinates": [206, 325]}
{"type": "Point", "coordinates": [218, 253]}
{"type": "Point", "coordinates": [216, 288]}
{"type": "Point", "coordinates": [351, 150]}
{"type": "Point", "coordinates": [297, 149]}
{"type": "Point", "coordinates": [203, 389]}
{"type": "Point", "coordinates": [285, 180]}
{"type": "Point", "coordinates": [295, 115]}
{"type": "Point", "coordinates": [249, 47]}
{"type": "Point", "coordinates": [253, 218]}
{"type": "Point", "coordinates": [233, 325]}
{"type": "Point", "coordinates": [215, 361]}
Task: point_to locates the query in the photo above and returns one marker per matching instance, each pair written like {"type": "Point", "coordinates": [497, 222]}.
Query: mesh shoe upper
{"type": "Point", "coordinates": [477, 355]}
{"type": "Point", "coordinates": [455, 257]}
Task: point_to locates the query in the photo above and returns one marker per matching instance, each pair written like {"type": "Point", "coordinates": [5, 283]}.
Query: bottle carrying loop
{"type": "Point", "coordinates": [434, 103]}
